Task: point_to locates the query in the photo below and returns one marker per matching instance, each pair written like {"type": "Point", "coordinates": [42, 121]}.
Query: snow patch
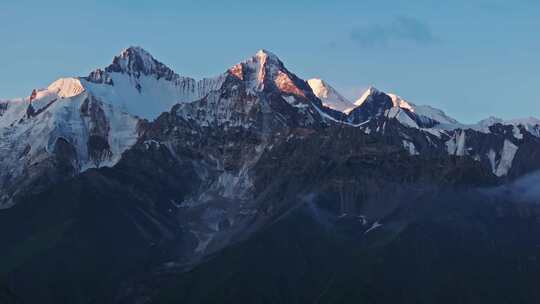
{"type": "Point", "coordinates": [147, 96]}
{"type": "Point", "coordinates": [410, 147]}
{"type": "Point", "coordinates": [507, 156]}
{"type": "Point", "coordinates": [492, 155]}
{"type": "Point", "coordinates": [456, 144]}
{"type": "Point", "coordinates": [373, 227]}
{"type": "Point", "coordinates": [402, 117]}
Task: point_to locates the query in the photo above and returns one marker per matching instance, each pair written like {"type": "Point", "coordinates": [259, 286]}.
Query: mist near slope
{"type": "Point", "coordinates": [525, 189]}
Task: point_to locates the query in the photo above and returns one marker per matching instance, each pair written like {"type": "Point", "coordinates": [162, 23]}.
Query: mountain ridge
{"type": "Point", "coordinates": [258, 92]}
{"type": "Point", "coordinates": [136, 61]}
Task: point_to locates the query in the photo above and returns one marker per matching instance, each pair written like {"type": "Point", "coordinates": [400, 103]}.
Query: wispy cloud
{"type": "Point", "coordinates": [523, 189]}
{"type": "Point", "coordinates": [398, 30]}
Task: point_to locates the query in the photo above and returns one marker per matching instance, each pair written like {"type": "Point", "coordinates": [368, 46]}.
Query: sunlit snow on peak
{"type": "Point", "coordinates": [66, 87]}
{"type": "Point", "coordinates": [329, 96]}
{"type": "Point", "coordinates": [370, 91]}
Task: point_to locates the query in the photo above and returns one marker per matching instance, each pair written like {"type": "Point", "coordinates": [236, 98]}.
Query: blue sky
{"type": "Point", "coordinates": [472, 59]}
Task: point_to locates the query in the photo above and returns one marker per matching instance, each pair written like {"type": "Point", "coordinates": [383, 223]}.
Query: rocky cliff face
{"type": "Point", "coordinates": [186, 191]}
{"type": "Point", "coordinates": [96, 115]}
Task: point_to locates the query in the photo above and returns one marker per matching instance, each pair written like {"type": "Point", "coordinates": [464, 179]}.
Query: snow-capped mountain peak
{"type": "Point", "coordinates": [329, 96]}
{"type": "Point", "coordinates": [66, 87]}
{"type": "Point", "coordinates": [136, 61]}
{"type": "Point", "coordinates": [400, 102]}
{"type": "Point", "coordinates": [267, 56]}
{"type": "Point", "coordinates": [422, 110]}
{"type": "Point", "coordinates": [370, 91]}
{"type": "Point", "coordinates": [139, 84]}
{"type": "Point", "coordinates": [258, 68]}
{"type": "Point", "coordinates": [265, 70]}
{"type": "Point", "coordinates": [95, 114]}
